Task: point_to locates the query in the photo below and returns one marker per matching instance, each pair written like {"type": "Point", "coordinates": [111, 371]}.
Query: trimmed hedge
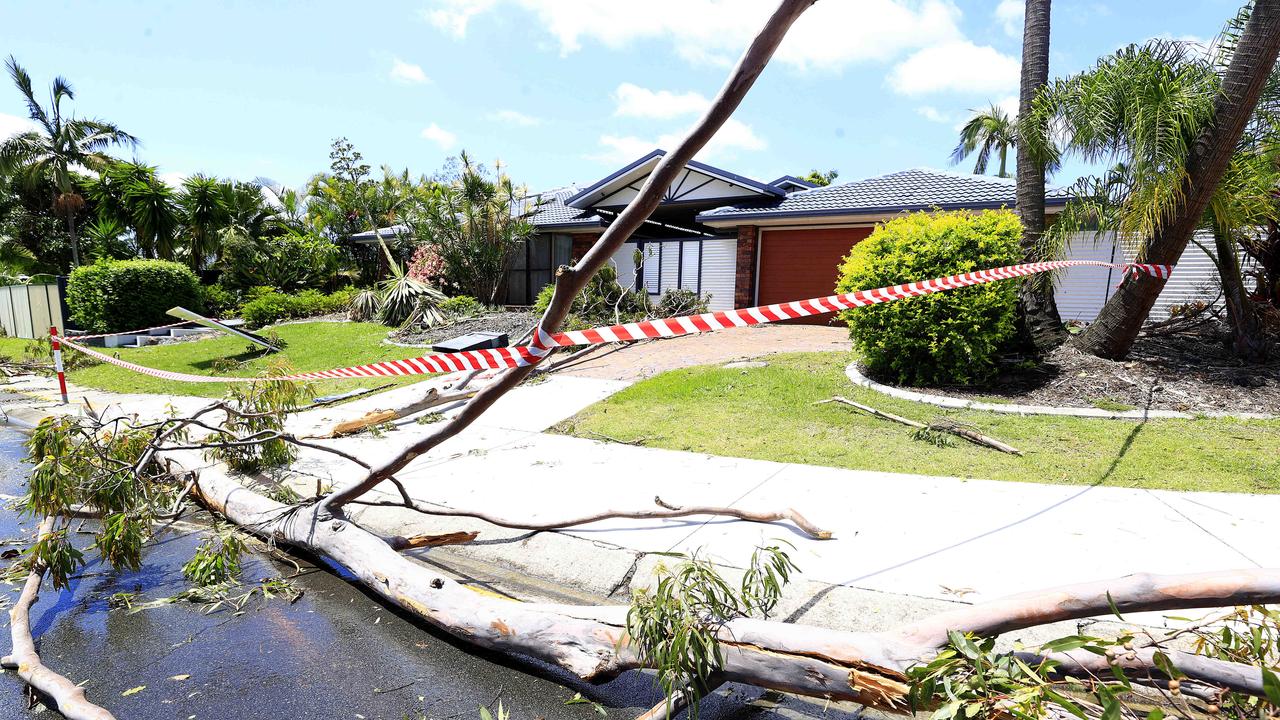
{"type": "Point", "coordinates": [268, 305]}
{"type": "Point", "coordinates": [947, 338]}
{"type": "Point", "coordinates": [112, 296]}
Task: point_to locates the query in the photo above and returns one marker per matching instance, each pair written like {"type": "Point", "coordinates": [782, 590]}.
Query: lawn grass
{"type": "Point", "coordinates": [309, 346]}
{"type": "Point", "coordinates": [768, 413]}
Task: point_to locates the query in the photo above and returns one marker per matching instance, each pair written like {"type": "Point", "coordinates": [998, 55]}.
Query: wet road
{"type": "Point", "coordinates": [334, 653]}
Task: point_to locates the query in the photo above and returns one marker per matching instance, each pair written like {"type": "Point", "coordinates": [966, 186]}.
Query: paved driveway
{"type": "Point", "coordinates": [637, 361]}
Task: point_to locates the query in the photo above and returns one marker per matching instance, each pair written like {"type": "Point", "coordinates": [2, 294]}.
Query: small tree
{"type": "Point", "coordinates": [477, 223]}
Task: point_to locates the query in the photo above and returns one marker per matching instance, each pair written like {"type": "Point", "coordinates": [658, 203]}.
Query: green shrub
{"type": "Point", "coordinates": [951, 337]}
{"type": "Point", "coordinates": [218, 301]}
{"type": "Point", "coordinates": [130, 294]}
{"type": "Point", "coordinates": [268, 305]}
{"type": "Point", "coordinates": [460, 306]}
{"type": "Point", "coordinates": [292, 261]}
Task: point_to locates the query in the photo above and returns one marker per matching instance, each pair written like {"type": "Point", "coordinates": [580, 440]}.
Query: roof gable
{"type": "Point", "coordinates": [698, 183]}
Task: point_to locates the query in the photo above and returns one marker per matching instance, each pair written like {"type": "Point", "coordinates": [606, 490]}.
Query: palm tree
{"type": "Point", "coordinates": [153, 211]}
{"type": "Point", "coordinates": [203, 215]}
{"type": "Point", "coordinates": [58, 146]}
{"type": "Point", "coordinates": [988, 130]}
{"type": "Point", "coordinates": [1176, 120]}
{"type": "Point", "coordinates": [1041, 322]}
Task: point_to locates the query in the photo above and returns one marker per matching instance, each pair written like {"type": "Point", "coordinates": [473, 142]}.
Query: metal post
{"type": "Point", "coordinates": [57, 362]}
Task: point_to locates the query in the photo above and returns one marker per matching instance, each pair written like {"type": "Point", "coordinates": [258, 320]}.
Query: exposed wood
{"type": "Point", "coordinates": [664, 511]}
{"type": "Point", "coordinates": [571, 280]}
{"type": "Point", "coordinates": [433, 398]}
{"type": "Point", "coordinates": [421, 541]}
{"type": "Point", "coordinates": [67, 697]}
{"type": "Point", "coordinates": [972, 436]}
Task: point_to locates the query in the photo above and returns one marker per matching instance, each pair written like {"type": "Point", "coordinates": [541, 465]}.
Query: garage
{"type": "Point", "coordinates": [801, 264]}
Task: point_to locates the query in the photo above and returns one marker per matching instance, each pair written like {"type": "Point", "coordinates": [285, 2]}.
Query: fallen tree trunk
{"type": "Point", "coordinates": [592, 641]}
{"type": "Point", "coordinates": [67, 697]}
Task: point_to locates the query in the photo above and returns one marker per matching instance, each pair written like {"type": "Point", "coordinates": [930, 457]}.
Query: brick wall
{"type": "Point", "coordinates": [744, 285]}
{"type": "Point", "coordinates": [582, 242]}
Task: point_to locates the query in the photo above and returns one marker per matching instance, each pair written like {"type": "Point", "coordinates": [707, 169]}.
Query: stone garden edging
{"type": "Point", "coordinates": [855, 375]}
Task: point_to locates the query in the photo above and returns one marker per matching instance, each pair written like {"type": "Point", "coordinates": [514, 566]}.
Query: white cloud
{"type": "Point", "coordinates": [734, 136]}
{"type": "Point", "coordinates": [513, 117]}
{"type": "Point", "coordinates": [829, 36]}
{"type": "Point", "coordinates": [1010, 13]}
{"type": "Point", "coordinates": [11, 125]}
{"type": "Point", "coordinates": [933, 114]}
{"type": "Point", "coordinates": [452, 16]}
{"type": "Point", "coordinates": [958, 67]}
{"type": "Point", "coordinates": [635, 101]}
{"type": "Point", "coordinates": [439, 136]}
{"type": "Point", "coordinates": [174, 179]}
{"type": "Point", "coordinates": [407, 73]}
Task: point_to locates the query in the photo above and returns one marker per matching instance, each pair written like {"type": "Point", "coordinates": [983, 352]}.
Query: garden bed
{"type": "Point", "coordinates": [515, 323]}
{"type": "Point", "coordinates": [1186, 373]}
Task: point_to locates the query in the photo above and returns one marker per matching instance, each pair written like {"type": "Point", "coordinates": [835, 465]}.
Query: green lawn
{"type": "Point", "coordinates": [310, 346]}
{"type": "Point", "coordinates": [768, 413]}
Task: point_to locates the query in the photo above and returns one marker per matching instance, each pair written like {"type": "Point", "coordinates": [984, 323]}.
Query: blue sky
{"type": "Point", "coordinates": [561, 91]}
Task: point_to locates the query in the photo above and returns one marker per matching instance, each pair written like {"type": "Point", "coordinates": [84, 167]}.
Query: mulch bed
{"type": "Point", "coordinates": [513, 323]}
{"type": "Point", "coordinates": [1186, 372]}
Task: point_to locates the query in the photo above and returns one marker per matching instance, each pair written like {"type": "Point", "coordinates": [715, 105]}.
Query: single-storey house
{"type": "Point", "coordinates": [747, 242]}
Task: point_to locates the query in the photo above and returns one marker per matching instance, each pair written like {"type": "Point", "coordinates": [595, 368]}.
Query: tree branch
{"type": "Point", "coordinates": [67, 696]}
{"type": "Point", "coordinates": [571, 280]}
{"type": "Point", "coordinates": [664, 512]}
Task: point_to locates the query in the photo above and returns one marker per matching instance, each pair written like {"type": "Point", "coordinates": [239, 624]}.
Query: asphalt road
{"type": "Point", "coordinates": [334, 653]}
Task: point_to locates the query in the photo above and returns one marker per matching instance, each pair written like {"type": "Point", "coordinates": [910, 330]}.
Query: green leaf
{"type": "Point", "coordinates": [1155, 714]}
{"type": "Point", "coordinates": [1165, 665]}
{"type": "Point", "coordinates": [1111, 603]}
{"type": "Point", "coordinates": [1271, 686]}
{"type": "Point", "coordinates": [1066, 644]}
{"type": "Point", "coordinates": [1066, 704]}
{"type": "Point", "coordinates": [963, 644]}
{"type": "Point", "coordinates": [946, 712]}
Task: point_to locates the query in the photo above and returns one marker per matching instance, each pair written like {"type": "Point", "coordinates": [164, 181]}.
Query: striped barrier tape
{"type": "Point", "coordinates": [543, 343]}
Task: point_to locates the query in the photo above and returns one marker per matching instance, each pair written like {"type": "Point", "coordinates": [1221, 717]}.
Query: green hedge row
{"type": "Point", "coordinates": [121, 295]}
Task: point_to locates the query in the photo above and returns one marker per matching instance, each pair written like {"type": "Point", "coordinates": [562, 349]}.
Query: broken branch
{"type": "Point", "coordinates": [971, 435]}
{"type": "Point", "coordinates": [67, 697]}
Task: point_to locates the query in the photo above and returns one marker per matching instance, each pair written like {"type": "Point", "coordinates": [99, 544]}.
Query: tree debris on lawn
{"type": "Point", "coordinates": [937, 426]}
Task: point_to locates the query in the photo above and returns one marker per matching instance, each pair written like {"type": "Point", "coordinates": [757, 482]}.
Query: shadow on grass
{"type": "Point", "coordinates": [812, 602]}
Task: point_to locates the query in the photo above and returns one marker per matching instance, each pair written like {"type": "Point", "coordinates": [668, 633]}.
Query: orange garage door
{"type": "Point", "coordinates": [800, 264]}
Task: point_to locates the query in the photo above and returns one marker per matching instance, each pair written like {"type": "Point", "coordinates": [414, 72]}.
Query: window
{"type": "Point", "coordinates": [670, 264]}
{"type": "Point", "coordinates": [534, 266]}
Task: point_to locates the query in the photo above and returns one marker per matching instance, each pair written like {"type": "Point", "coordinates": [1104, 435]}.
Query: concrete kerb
{"type": "Point", "coordinates": [855, 375]}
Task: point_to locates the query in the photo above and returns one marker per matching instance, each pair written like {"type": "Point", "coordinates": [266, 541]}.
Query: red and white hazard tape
{"type": "Point", "coordinates": [543, 343]}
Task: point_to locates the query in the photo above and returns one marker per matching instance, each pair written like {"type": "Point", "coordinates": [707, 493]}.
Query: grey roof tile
{"type": "Point", "coordinates": [916, 189]}
{"type": "Point", "coordinates": [554, 212]}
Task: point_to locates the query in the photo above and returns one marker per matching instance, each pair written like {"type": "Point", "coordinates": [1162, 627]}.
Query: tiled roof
{"type": "Point", "coordinates": [915, 189]}
{"type": "Point", "coordinates": [555, 212]}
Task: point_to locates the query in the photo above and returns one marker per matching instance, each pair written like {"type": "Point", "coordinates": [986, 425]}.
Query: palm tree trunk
{"type": "Point", "coordinates": [75, 241]}
{"type": "Point", "coordinates": [1112, 334]}
{"type": "Point", "coordinates": [1248, 336]}
{"type": "Point", "coordinates": [1041, 323]}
